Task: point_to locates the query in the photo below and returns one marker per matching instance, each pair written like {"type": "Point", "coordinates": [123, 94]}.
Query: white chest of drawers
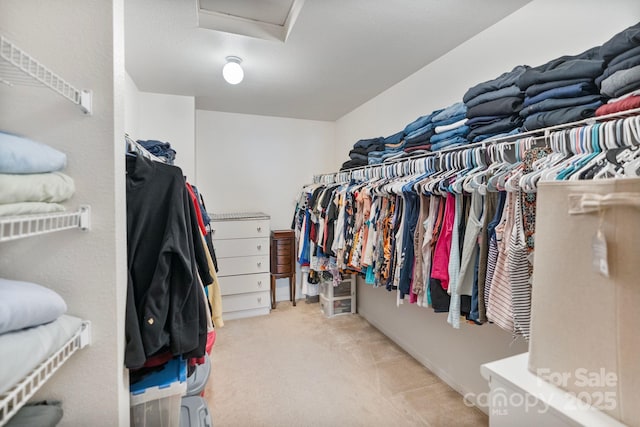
{"type": "Point", "coordinates": [241, 241]}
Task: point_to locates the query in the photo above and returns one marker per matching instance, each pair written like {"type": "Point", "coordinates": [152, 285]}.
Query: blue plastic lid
{"type": "Point", "coordinates": [173, 371]}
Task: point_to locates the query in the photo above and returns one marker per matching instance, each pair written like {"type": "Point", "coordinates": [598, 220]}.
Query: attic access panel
{"type": "Point", "coordinates": [262, 19]}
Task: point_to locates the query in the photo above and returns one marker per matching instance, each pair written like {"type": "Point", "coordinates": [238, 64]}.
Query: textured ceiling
{"type": "Point", "coordinates": [339, 53]}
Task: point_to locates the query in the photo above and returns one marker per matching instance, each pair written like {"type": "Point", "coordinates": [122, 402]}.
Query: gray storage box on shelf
{"type": "Point", "coordinates": [197, 381]}
{"type": "Point", "coordinates": [341, 299]}
{"type": "Point", "coordinates": [194, 412]}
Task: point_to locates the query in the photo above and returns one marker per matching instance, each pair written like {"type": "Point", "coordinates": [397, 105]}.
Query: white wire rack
{"type": "Point", "coordinates": [14, 399]}
{"type": "Point", "coordinates": [19, 68]}
{"type": "Point", "coordinates": [18, 227]}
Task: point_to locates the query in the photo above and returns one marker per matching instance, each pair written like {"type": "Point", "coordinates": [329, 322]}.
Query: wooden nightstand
{"type": "Point", "coordinates": [283, 262]}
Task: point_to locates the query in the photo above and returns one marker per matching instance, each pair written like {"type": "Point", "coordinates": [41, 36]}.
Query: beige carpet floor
{"type": "Point", "coordinates": [295, 367]}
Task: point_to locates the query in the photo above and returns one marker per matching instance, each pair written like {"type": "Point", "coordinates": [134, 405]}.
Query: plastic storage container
{"type": "Point", "coordinates": [197, 381]}
{"type": "Point", "coordinates": [155, 401]}
{"type": "Point", "coordinates": [341, 299]}
{"type": "Point", "coordinates": [329, 291]}
{"type": "Point", "coordinates": [194, 412]}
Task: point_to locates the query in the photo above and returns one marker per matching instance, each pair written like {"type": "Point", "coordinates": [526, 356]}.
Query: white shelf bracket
{"type": "Point", "coordinates": [85, 335]}
{"type": "Point", "coordinates": [86, 101]}
{"type": "Point", "coordinates": [85, 218]}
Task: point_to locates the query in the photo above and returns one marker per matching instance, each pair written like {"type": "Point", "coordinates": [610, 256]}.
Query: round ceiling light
{"type": "Point", "coordinates": [232, 71]}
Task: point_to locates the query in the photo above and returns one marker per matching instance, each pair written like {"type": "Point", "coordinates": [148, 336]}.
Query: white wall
{"type": "Point", "coordinates": [83, 41]}
{"type": "Point", "coordinates": [248, 163]}
{"type": "Point", "coordinates": [535, 34]}
{"type": "Point", "coordinates": [131, 106]}
{"type": "Point", "coordinates": [168, 118]}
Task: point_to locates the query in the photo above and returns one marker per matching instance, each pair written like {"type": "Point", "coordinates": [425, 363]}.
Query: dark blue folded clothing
{"type": "Point", "coordinates": [395, 138]}
{"type": "Point", "coordinates": [555, 103]}
{"type": "Point", "coordinates": [419, 122]}
{"type": "Point", "coordinates": [512, 90]}
{"type": "Point", "coordinates": [159, 149]}
{"type": "Point", "coordinates": [460, 131]}
{"type": "Point", "coordinates": [588, 64]}
{"type": "Point", "coordinates": [364, 143]}
{"type": "Point", "coordinates": [450, 120]}
{"type": "Point", "coordinates": [367, 150]}
{"type": "Point", "coordinates": [485, 120]}
{"type": "Point", "coordinates": [505, 125]}
{"type": "Point", "coordinates": [627, 54]}
{"type": "Point", "coordinates": [453, 110]}
{"type": "Point", "coordinates": [417, 140]}
{"type": "Point", "coordinates": [536, 89]}
{"type": "Point", "coordinates": [357, 156]}
{"type": "Point", "coordinates": [634, 61]}
{"type": "Point", "coordinates": [560, 116]}
{"type": "Point", "coordinates": [571, 91]}
{"type": "Point", "coordinates": [504, 80]}
{"type": "Point", "coordinates": [429, 127]}
{"type": "Point", "coordinates": [621, 42]}
{"type": "Point", "coordinates": [497, 107]}
{"type": "Point", "coordinates": [350, 164]}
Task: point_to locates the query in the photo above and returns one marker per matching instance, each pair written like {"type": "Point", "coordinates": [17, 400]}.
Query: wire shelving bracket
{"type": "Point", "coordinates": [18, 227]}
{"type": "Point", "coordinates": [18, 67]}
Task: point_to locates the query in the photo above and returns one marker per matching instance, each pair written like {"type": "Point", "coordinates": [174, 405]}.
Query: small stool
{"type": "Point", "coordinates": [283, 262]}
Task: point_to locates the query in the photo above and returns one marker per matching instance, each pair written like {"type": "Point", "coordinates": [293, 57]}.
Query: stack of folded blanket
{"type": "Point", "coordinates": [561, 91]}
{"type": "Point", "coordinates": [392, 148]}
{"type": "Point", "coordinates": [620, 80]}
{"type": "Point", "coordinates": [418, 133]}
{"type": "Point", "coordinates": [493, 106]}
{"type": "Point", "coordinates": [449, 127]}
{"type": "Point", "coordinates": [30, 177]}
{"type": "Point", "coordinates": [359, 155]}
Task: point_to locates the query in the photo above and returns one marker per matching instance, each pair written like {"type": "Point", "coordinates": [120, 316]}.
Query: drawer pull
{"type": "Point", "coordinates": [259, 299]}
{"type": "Point", "coordinates": [213, 231]}
{"type": "Point", "coordinates": [259, 283]}
{"type": "Point", "coordinates": [260, 264]}
{"type": "Point", "coordinates": [259, 247]}
{"type": "Point", "coordinates": [259, 229]}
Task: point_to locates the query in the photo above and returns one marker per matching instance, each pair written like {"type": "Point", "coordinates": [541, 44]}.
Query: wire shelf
{"type": "Point", "coordinates": [18, 227]}
{"type": "Point", "coordinates": [14, 399]}
{"type": "Point", "coordinates": [19, 68]}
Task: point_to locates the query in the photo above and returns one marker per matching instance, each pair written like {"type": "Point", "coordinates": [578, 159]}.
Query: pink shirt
{"type": "Point", "coordinates": [440, 263]}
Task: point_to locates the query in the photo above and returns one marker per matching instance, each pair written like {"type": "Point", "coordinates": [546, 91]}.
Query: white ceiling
{"type": "Point", "coordinates": [339, 53]}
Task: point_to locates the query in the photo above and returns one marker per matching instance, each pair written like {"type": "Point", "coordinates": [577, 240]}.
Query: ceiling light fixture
{"type": "Point", "coordinates": [232, 71]}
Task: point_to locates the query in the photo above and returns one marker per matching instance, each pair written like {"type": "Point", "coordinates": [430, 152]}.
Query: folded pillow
{"type": "Point", "coordinates": [52, 187]}
{"type": "Point", "coordinates": [24, 304]}
{"type": "Point", "coordinates": [20, 155]}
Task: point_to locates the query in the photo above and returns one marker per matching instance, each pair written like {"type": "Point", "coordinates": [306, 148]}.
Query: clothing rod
{"type": "Point", "coordinates": [537, 133]}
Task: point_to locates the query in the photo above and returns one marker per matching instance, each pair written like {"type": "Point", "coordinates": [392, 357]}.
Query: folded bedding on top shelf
{"type": "Point", "coordinates": [21, 351]}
